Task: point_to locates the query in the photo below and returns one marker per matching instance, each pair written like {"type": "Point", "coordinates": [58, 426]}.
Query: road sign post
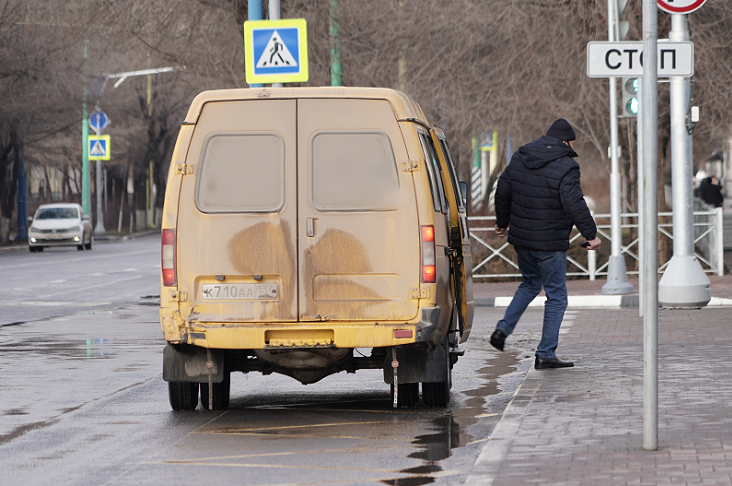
{"type": "Point", "coordinates": [617, 279]}
{"type": "Point", "coordinates": [649, 112]}
{"type": "Point", "coordinates": [276, 51]}
{"type": "Point", "coordinates": [684, 284]}
{"type": "Point", "coordinates": [98, 149]}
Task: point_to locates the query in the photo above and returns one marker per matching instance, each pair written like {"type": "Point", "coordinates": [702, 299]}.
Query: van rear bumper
{"type": "Point", "coordinates": [332, 334]}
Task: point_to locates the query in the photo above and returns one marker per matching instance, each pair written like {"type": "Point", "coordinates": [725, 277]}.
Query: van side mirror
{"type": "Point", "coordinates": [86, 217]}
{"type": "Point", "coordinates": [464, 193]}
{"type": "Point", "coordinates": [29, 220]}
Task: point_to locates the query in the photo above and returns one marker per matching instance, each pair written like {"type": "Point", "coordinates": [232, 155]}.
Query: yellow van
{"type": "Point", "coordinates": [301, 224]}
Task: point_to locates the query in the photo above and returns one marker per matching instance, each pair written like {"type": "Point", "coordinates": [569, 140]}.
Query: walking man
{"type": "Point", "coordinates": [538, 199]}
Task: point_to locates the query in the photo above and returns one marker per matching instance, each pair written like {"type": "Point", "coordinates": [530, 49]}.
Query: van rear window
{"type": "Point", "coordinates": [241, 172]}
{"type": "Point", "coordinates": [353, 171]}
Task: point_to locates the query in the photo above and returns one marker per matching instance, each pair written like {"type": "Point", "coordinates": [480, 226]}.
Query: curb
{"type": "Point", "coordinates": [588, 301]}
{"type": "Point", "coordinates": [489, 461]}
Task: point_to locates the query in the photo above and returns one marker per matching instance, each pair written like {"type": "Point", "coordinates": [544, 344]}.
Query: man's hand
{"type": "Point", "coordinates": [501, 232]}
{"type": "Point", "coordinates": [594, 244]}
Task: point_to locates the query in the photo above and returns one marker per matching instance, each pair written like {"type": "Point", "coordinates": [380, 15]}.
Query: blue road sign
{"type": "Point", "coordinates": [273, 51]}
{"type": "Point", "coordinates": [276, 51]}
{"type": "Point", "coordinates": [99, 147]}
{"type": "Point", "coordinates": [98, 121]}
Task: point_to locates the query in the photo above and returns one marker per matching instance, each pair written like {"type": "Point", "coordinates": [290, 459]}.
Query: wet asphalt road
{"type": "Point", "coordinates": [63, 281]}
{"type": "Point", "coordinates": [82, 400]}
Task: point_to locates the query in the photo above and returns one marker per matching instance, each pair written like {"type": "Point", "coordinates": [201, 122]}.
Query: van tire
{"type": "Point", "coordinates": [221, 393]}
{"type": "Point", "coordinates": [408, 395]}
{"type": "Point", "coordinates": [438, 394]}
{"type": "Point", "coordinates": [183, 395]}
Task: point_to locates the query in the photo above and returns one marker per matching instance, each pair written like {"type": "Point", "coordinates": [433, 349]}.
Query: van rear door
{"type": "Point", "coordinates": [237, 217]}
{"type": "Point", "coordinates": [358, 229]}
{"type": "Point", "coordinates": [460, 254]}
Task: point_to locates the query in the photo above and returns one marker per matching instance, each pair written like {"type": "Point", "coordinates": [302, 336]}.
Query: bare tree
{"type": "Point", "coordinates": [473, 65]}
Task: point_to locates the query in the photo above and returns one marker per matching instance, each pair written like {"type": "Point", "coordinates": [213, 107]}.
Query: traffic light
{"type": "Point", "coordinates": [630, 97]}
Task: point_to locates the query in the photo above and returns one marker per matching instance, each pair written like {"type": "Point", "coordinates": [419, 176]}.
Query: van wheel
{"type": "Point", "coordinates": [408, 395]}
{"type": "Point", "coordinates": [183, 395]}
{"type": "Point", "coordinates": [221, 394]}
{"type": "Point", "coordinates": [438, 394]}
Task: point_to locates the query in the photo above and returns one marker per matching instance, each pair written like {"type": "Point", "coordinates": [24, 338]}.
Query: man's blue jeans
{"type": "Point", "coordinates": [547, 269]}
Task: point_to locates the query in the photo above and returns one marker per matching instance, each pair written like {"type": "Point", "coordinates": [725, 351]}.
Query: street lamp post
{"type": "Point", "coordinates": [149, 182]}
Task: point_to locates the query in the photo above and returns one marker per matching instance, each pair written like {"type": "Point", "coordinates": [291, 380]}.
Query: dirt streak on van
{"type": "Point", "coordinates": [302, 223]}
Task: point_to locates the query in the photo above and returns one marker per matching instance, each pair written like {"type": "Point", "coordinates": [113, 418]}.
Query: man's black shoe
{"type": "Point", "coordinates": [498, 339]}
{"type": "Point", "coordinates": [545, 363]}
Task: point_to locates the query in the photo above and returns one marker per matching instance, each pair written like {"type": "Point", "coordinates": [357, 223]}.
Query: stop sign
{"type": "Point", "coordinates": [680, 6]}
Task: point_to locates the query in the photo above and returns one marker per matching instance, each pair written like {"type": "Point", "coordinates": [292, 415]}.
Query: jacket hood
{"type": "Point", "coordinates": [544, 150]}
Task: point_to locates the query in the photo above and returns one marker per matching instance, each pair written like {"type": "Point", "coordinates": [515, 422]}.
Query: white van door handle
{"type": "Point", "coordinates": [311, 227]}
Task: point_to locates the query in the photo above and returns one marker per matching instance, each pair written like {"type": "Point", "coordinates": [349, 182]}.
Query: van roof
{"type": "Point", "coordinates": [403, 106]}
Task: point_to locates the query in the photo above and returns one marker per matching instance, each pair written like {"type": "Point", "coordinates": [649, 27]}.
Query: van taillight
{"type": "Point", "coordinates": [428, 254]}
{"type": "Point", "coordinates": [167, 256]}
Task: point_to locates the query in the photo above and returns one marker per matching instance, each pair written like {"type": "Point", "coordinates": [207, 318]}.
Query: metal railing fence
{"type": "Point", "coordinates": [708, 245]}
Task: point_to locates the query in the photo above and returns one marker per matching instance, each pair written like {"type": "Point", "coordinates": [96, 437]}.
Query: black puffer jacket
{"type": "Point", "coordinates": [539, 194]}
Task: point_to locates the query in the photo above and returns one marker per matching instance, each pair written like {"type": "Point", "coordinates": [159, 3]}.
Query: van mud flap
{"type": "Point", "coordinates": [183, 362]}
{"type": "Point", "coordinates": [416, 364]}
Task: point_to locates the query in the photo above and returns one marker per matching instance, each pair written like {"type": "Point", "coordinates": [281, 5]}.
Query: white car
{"type": "Point", "coordinates": [61, 224]}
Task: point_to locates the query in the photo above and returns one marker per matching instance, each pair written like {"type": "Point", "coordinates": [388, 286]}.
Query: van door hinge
{"type": "Point", "coordinates": [410, 165]}
{"type": "Point", "coordinates": [183, 168]}
{"type": "Point", "coordinates": [178, 296]}
{"type": "Point", "coordinates": [420, 293]}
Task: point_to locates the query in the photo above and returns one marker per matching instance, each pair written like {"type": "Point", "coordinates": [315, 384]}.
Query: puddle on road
{"type": "Point", "coordinates": [449, 429]}
{"type": "Point", "coordinates": [96, 348]}
{"type": "Point", "coordinates": [498, 366]}
{"type": "Point", "coordinates": [99, 348]}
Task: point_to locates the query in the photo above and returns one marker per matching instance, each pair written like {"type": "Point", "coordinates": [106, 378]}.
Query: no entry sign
{"type": "Point", "coordinates": [680, 6]}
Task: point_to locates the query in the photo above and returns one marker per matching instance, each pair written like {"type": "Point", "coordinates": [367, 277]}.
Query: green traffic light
{"type": "Point", "coordinates": [629, 88]}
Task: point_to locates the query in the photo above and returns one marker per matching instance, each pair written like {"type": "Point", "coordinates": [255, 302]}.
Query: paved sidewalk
{"type": "Point", "coordinates": [584, 425]}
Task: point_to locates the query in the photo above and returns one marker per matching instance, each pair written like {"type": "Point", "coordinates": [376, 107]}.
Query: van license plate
{"type": "Point", "coordinates": [241, 291]}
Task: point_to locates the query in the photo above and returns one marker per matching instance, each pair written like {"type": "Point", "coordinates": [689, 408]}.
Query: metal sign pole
{"type": "Point", "coordinates": [254, 10]}
{"type": "Point", "coordinates": [650, 223]}
{"type": "Point", "coordinates": [617, 279]}
{"type": "Point", "coordinates": [684, 284]}
{"type": "Point", "coordinates": [99, 228]}
{"type": "Point", "coordinates": [274, 14]}
{"type": "Point", "coordinates": [641, 200]}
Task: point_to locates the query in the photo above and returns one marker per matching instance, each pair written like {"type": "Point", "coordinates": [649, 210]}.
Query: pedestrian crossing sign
{"type": "Point", "coordinates": [276, 51]}
{"type": "Point", "coordinates": [98, 147]}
